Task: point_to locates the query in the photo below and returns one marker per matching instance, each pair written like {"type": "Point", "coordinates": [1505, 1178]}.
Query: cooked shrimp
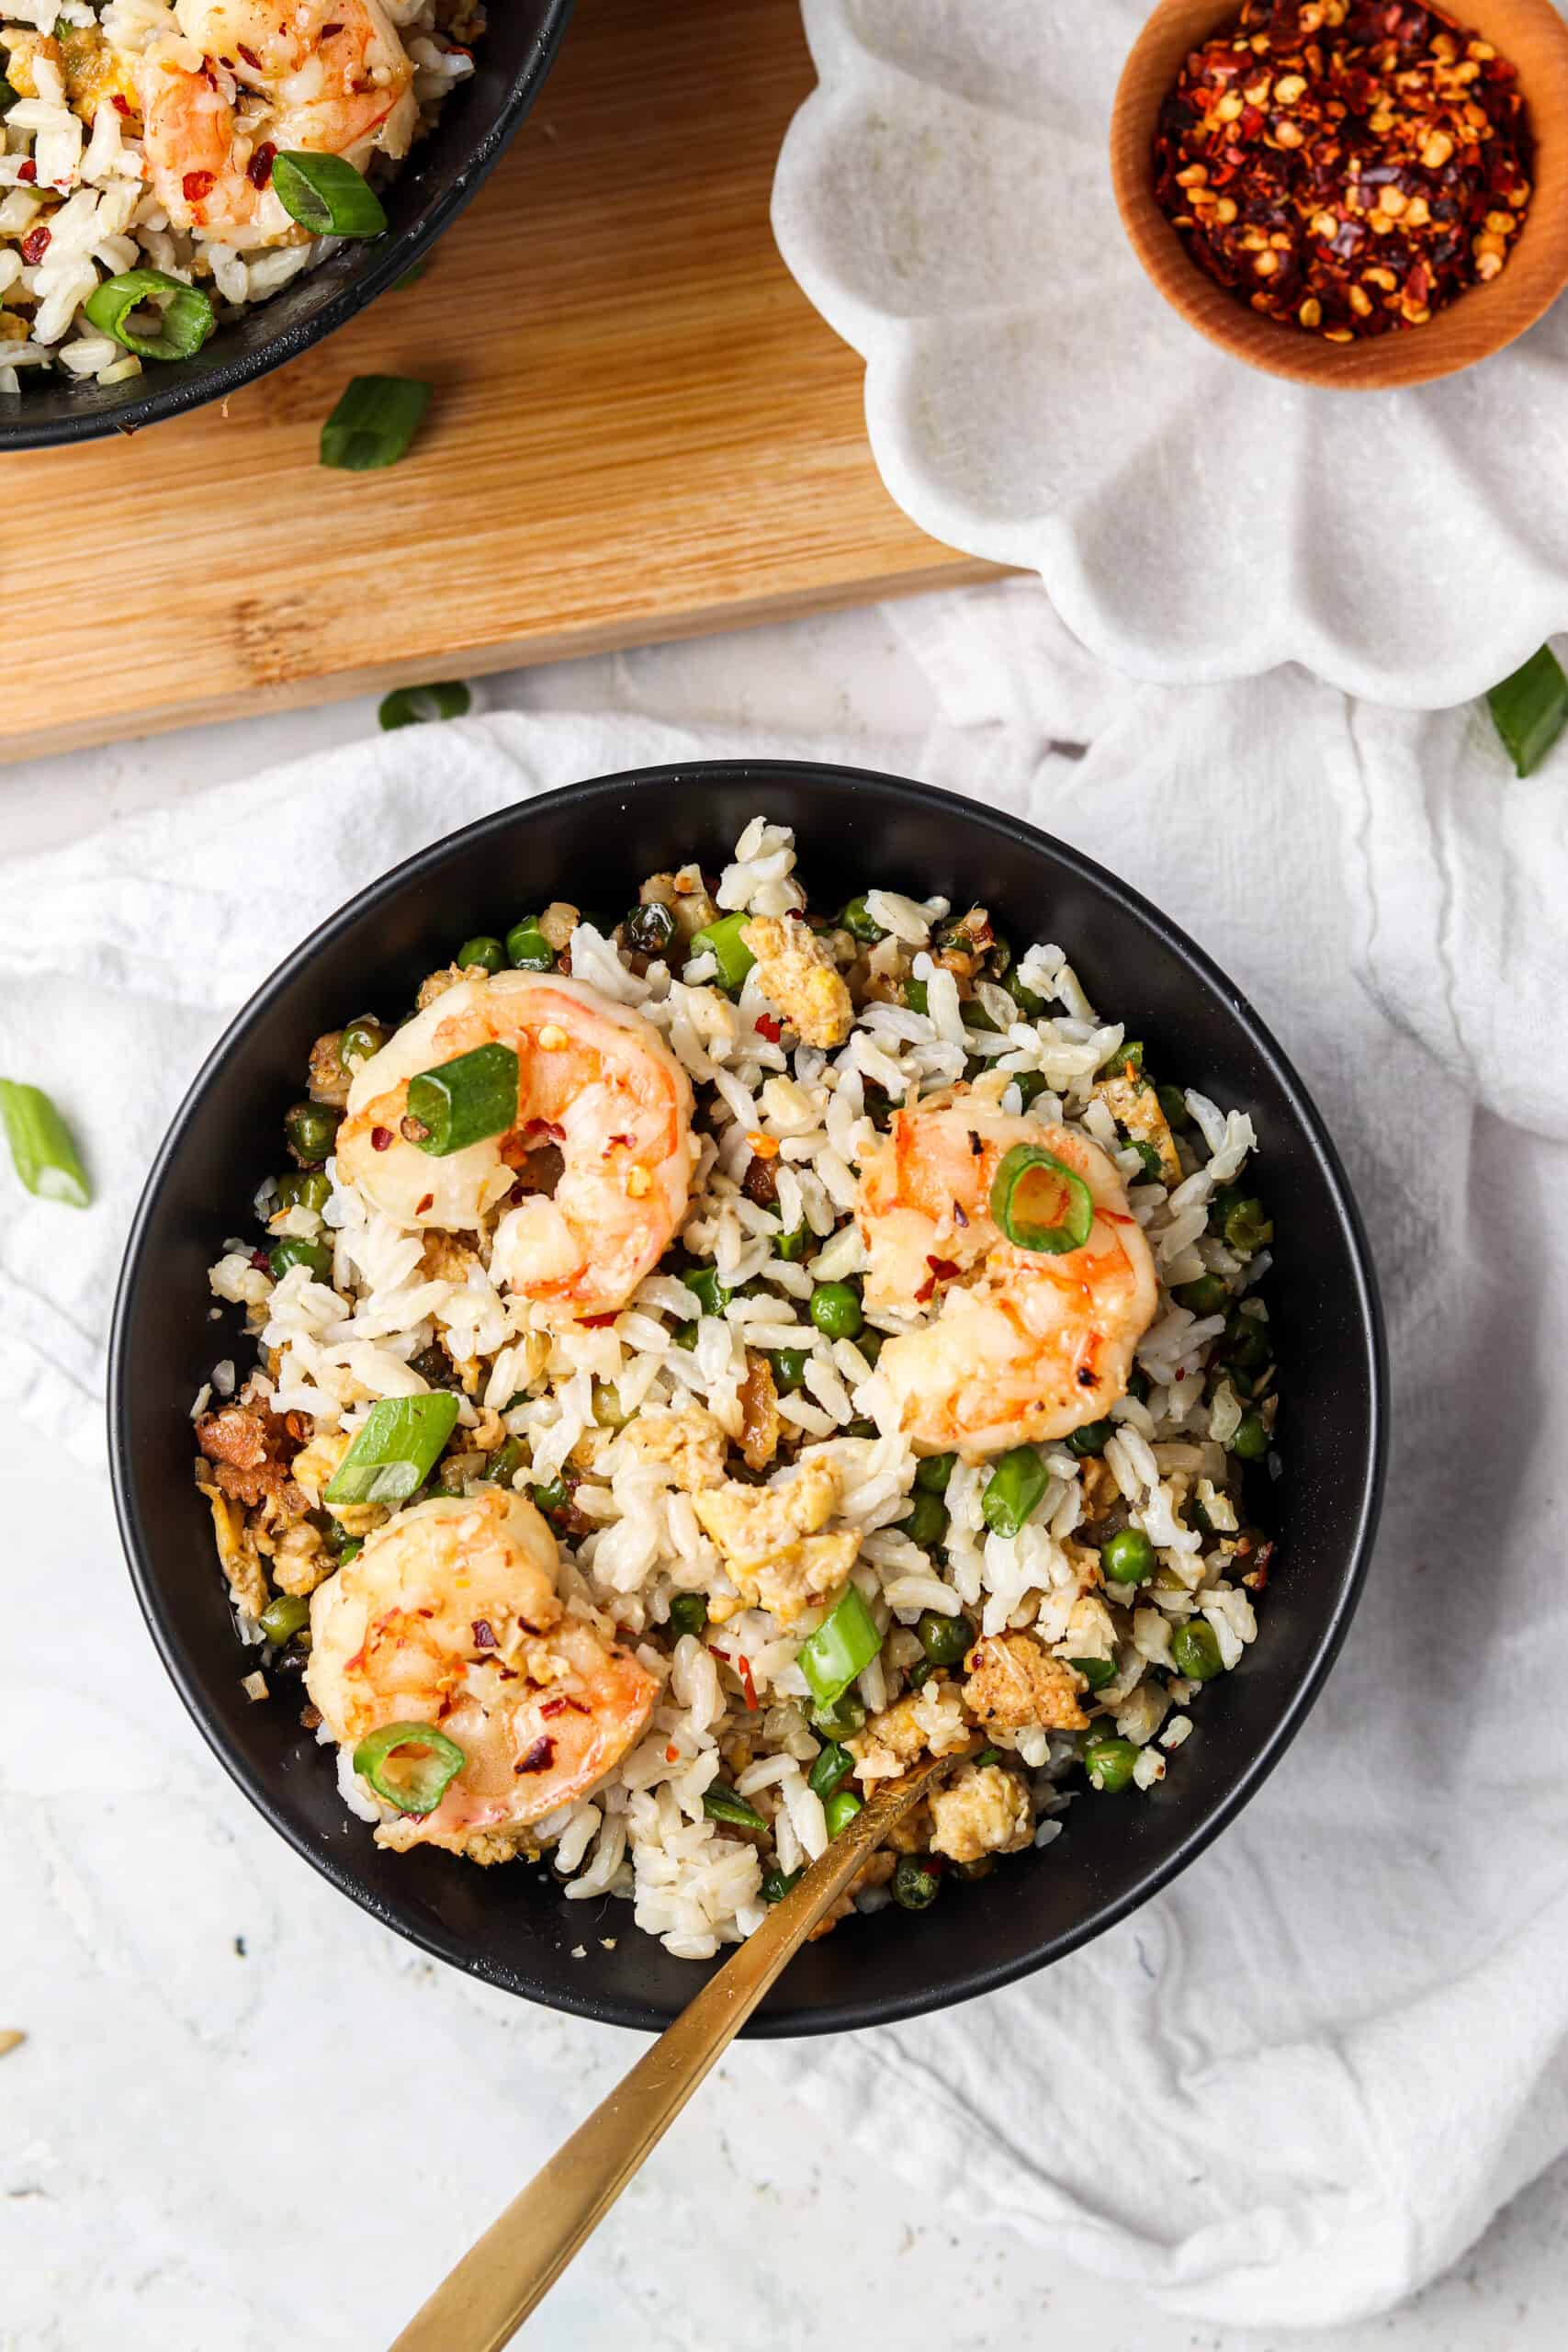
{"type": "Point", "coordinates": [328, 75]}
{"type": "Point", "coordinates": [595, 1080]}
{"type": "Point", "coordinates": [449, 1617]}
{"type": "Point", "coordinates": [1025, 1346]}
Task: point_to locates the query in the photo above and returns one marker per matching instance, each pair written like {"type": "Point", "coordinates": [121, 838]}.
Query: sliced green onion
{"type": "Point", "coordinates": [428, 1769]}
{"type": "Point", "coordinates": [776, 1884]}
{"type": "Point", "coordinates": [374, 422]}
{"type": "Point", "coordinates": [791, 1247]}
{"type": "Point", "coordinates": [916, 997]}
{"type": "Point", "coordinates": [462, 1102]}
{"type": "Point", "coordinates": [1529, 710]}
{"type": "Point", "coordinates": [414, 706]}
{"type": "Point", "coordinates": [842, 1646]}
{"type": "Point", "coordinates": [1007, 1209]}
{"type": "Point", "coordinates": [9, 97]}
{"type": "Point", "coordinates": [841, 1810]}
{"type": "Point", "coordinates": [285, 1617]}
{"type": "Point", "coordinates": [721, 1803]}
{"type": "Point", "coordinates": [831, 1769]}
{"type": "Point", "coordinates": [840, 1718]}
{"type": "Point", "coordinates": [41, 1145]}
{"type": "Point", "coordinates": [326, 194]}
{"type": "Point", "coordinates": [187, 320]}
{"type": "Point", "coordinates": [1096, 1671]}
{"type": "Point", "coordinates": [1013, 1488]}
{"type": "Point", "coordinates": [704, 1283]}
{"type": "Point", "coordinates": [723, 941]}
{"type": "Point", "coordinates": [932, 1472]}
{"type": "Point", "coordinates": [859, 922]}
{"type": "Point", "coordinates": [395, 1451]}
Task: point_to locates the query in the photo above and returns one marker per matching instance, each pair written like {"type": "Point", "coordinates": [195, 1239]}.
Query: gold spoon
{"type": "Point", "coordinates": [479, 2305]}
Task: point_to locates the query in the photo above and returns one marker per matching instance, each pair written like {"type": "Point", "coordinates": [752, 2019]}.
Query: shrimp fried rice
{"type": "Point", "coordinates": [707, 1363]}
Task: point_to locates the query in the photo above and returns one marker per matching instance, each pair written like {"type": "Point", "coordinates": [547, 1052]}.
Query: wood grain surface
{"type": "Point", "coordinates": [641, 430]}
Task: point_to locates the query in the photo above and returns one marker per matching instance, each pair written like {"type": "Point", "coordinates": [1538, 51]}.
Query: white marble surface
{"type": "Point", "coordinates": [199, 2136]}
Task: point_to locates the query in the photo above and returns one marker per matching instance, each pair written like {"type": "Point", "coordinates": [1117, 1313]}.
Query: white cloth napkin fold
{"type": "Point", "coordinates": [1303, 2080]}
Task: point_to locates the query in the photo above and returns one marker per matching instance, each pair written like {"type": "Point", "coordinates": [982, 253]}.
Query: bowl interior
{"type": "Point", "coordinates": [593, 845]}
{"type": "Point", "coordinates": [1530, 33]}
{"type": "Point", "coordinates": [441, 174]}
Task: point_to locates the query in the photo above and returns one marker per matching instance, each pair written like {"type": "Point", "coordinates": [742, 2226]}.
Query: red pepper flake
{"type": "Point", "coordinates": [252, 60]}
{"type": "Point", "coordinates": [258, 171]}
{"type": "Point", "coordinates": [766, 1026]}
{"type": "Point", "coordinates": [600, 1322]}
{"type": "Point", "coordinates": [380, 1138]}
{"type": "Point", "coordinates": [35, 245]}
{"type": "Point", "coordinates": [942, 1268]}
{"type": "Point", "coordinates": [484, 1634]}
{"type": "Point", "coordinates": [960, 1215]}
{"type": "Point", "coordinates": [328, 30]}
{"type": "Point", "coordinates": [538, 1757]}
{"type": "Point", "coordinates": [428, 1201]}
{"type": "Point", "coordinates": [553, 1707]}
{"type": "Point", "coordinates": [671, 1754]}
{"type": "Point", "coordinates": [196, 184]}
{"type": "Point", "coordinates": [26, 171]}
{"type": "Point", "coordinates": [260, 1260]}
{"type": "Point", "coordinates": [743, 1667]}
{"type": "Point", "coordinates": [121, 104]}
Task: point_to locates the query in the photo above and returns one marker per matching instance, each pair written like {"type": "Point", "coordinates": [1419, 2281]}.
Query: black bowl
{"type": "Point", "coordinates": [440, 177]}
{"type": "Point", "coordinates": [592, 843]}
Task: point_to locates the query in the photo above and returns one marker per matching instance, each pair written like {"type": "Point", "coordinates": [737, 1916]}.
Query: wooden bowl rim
{"type": "Point", "coordinates": [1482, 322]}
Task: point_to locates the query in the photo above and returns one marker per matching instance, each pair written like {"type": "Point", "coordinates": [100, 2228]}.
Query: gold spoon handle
{"type": "Point", "coordinates": [479, 2305]}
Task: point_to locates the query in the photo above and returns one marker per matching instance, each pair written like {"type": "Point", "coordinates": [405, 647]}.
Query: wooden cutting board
{"type": "Point", "coordinates": [641, 430]}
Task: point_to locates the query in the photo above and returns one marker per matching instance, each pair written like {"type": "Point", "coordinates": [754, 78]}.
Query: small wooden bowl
{"type": "Point", "coordinates": [1533, 35]}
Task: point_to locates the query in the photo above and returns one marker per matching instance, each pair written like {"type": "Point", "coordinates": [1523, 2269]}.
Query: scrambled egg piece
{"type": "Point", "coordinates": [799, 974]}
{"type": "Point", "coordinates": [1014, 1681]}
{"type": "Point", "coordinates": [902, 1733]}
{"type": "Point", "coordinates": [689, 1445]}
{"type": "Point", "coordinates": [237, 1552]}
{"type": "Point", "coordinates": [759, 1423]}
{"type": "Point", "coordinates": [770, 1541]}
{"type": "Point", "coordinates": [1134, 1105]}
{"type": "Point", "coordinates": [983, 1810]}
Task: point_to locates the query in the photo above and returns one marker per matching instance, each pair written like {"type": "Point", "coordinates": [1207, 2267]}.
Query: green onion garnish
{"type": "Point", "coordinates": [721, 1803]}
{"type": "Point", "coordinates": [831, 1769]}
{"type": "Point", "coordinates": [374, 422]}
{"type": "Point", "coordinates": [187, 319]}
{"type": "Point", "coordinates": [7, 95]}
{"type": "Point", "coordinates": [428, 1764]}
{"type": "Point", "coordinates": [465, 1101]}
{"type": "Point", "coordinates": [1529, 709]}
{"type": "Point", "coordinates": [1013, 1488]}
{"type": "Point", "coordinates": [395, 1451]}
{"type": "Point", "coordinates": [41, 1145]}
{"type": "Point", "coordinates": [412, 705]}
{"type": "Point", "coordinates": [325, 195]}
{"type": "Point", "coordinates": [723, 941]}
{"type": "Point", "coordinates": [842, 1646]}
{"type": "Point", "coordinates": [1071, 1198]}
{"type": "Point", "coordinates": [1096, 1671]}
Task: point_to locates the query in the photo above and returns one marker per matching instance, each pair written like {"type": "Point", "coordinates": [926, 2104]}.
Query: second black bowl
{"type": "Point", "coordinates": [593, 845]}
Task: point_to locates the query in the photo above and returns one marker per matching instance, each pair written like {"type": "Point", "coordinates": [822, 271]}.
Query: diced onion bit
{"type": "Point", "coordinates": [412, 705]}
{"type": "Point", "coordinates": [188, 315]}
{"type": "Point", "coordinates": [1529, 710]}
{"type": "Point", "coordinates": [842, 1647]}
{"type": "Point", "coordinates": [1030, 1178]}
{"type": "Point", "coordinates": [465, 1101]}
{"type": "Point", "coordinates": [326, 194]}
{"type": "Point", "coordinates": [374, 422]}
{"type": "Point", "coordinates": [41, 1148]}
{"type": "Point", "coordinates": [396, 1450]}
{"type": "Point", "coordinates": [410, 1765]}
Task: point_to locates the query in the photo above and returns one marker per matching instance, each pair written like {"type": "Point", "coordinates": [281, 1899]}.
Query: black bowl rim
{"type": "Point", "coordinates": [851, 2014]}
{"type": "Point", "coordinates": [190, 385]}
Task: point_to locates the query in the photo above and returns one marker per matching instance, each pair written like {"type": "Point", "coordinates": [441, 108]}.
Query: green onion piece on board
{"type": "Point", "coordinates": [41, 1145]}
{"type": "Point", "coordinates": [842, 1646]}
{"type": "Point", "coordinates": [1529, 710]}
{"type": "Point", "coordinates": [396, 1450]}
{"type": "Point", "coordinates": [721, 1803]}
{"type": "Point", "coordinates": [413, 705]}
{"type": "Point", "coordinates": [326, 194]}
{"type": "Point", "coordinates": [463, 1101]}
{"type": "Point", "coordinates": [188, 315]}
{"type": "Point", "coordinates": [374, 422]}
{"type": "Point", "coordinates": [723, 941]}
{"type": "Point", "coordinates": [1065, 1193]}
{"type": "Point", "coordinates": [1013, 1488]}
{"type": "Point", "coordinates": [411, 1765]}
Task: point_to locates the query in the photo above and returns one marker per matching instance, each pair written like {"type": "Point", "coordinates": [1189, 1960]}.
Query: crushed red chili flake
{"type": "Point", "coordinates": [747, 1688]}
{"type": "Point", "coordinates": [26, 171]}
{"type": "Point", "coordinates": [484, 1633]}
{"type": "Point", "coordinates": [1348, 167]}
{"type": "Point", "coordinates": [35, 245]}
{"type": "Point", "coordinates": [766, 1026]}
{"type": "Point", "coordinates": [380, 1138]}
{"type": "Point", "coordinates": [252, 60]}
{"type": "Point", "coordinates": [196, 184]}
{"type": "Point", "coordinates": [258, 171]}
{"type": "Point", "coordinates": [538, 1756]}
{"type": "Point", "coordinates": [121, 104]}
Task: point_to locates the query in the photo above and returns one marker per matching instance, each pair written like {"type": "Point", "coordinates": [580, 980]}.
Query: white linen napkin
{"type": "Point", "coordinates": [1303, 2080]}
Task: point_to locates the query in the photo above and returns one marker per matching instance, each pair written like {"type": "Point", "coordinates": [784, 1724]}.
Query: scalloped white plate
{"type": "Point", "coordinates": [945, 200]}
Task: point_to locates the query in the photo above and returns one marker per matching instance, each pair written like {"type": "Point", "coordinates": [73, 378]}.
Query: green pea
{"type": "Point", "coordinates": [831, 1770]}
{"type": "Point", "coordinates": [504, 1463]}
{"type": "Point", "coordinates": [841, 1719]}
{"type": "Point", "coordinates": [1173, 1103]}
{"type": "Point", "coordinates": [1110, 1763]}
{"type": "Point", "coordinates": [776, 1884]}
{"type": "Point", "coordinates": [304, 1188]}
{"type": "Point", "coordinates": [841, 1811]}
{"type": "Point", "coordinates": [925, 1522]}
{"type": "Point", "coordinates": [1029, 1082]}
{"type": "Point", "coordinates": [649, 930]}
{"type": "Point", "coordinates": [1207, 1296]}
{"type": "Point", "coordinates": [487, 953]}
{"type": "Point", "coordinates": [933, 1472]}
{"type": "Point", "coordinates": [836, 1311]}
{"type": "Point", "coordinates": [921, 1673]}
{"type": "Point", "coordinates": [1092, 1438]}
{"type": "Point", "coordinates": [707, 1289]}
{"type": "Point", "coordinates": [1241, 1218]}
{"type": "Point", "coordinates": [358, 1042]}
{"type": "Point", "coordinates": [915, 1885]}
{"type": "Point", "coordinates": [858, 923]}
{"type": "Point", "coordinates": [1251, 1441]}
{"type": "Point", "coordinates": [688, 1613]}
{"type": "Point", "coordinates": [789, 1369]}
{"type": "Point", "coordinates": [293, 1252]}
{"type": "Point", "coordinates": [791, 1247]}
{"type": "Point", "coordinates": [1195, 1647]}
{"type": "Point", "coordinates": [285, 1617]}
{"type": "Point", "coordinates": [915, 996]}
{"type": "Point", "coordinates": [1096, 1671]}
{"type": "Point", "coordinates": [311, 1130]}
{"type": "Point", "coordinates": [1013, 1488]}
{"type": "Point", "coordinates": [528, 949]}
{"type": "Point", "coordinates": [944, 1639]}
{"type": "Point", "coordinates": [1128, 1557]}
{"type": "Point", "coordinates": [1246, 1343]}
